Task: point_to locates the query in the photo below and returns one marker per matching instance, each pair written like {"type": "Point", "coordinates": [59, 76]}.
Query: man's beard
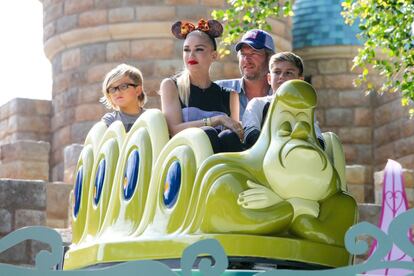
{"type": "Point", "coordinates": [257, 75]}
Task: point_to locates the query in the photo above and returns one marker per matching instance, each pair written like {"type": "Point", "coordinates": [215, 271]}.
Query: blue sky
{"type": "Point", "coordinates": [25, 70]}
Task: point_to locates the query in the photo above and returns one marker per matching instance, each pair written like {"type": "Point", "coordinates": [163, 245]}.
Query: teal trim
{"type": "Point", "coordinates": [46, 260]}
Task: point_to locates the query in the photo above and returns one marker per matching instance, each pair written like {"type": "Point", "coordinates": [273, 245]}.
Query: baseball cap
{"type": "Point", "coordinates": [257, 39]}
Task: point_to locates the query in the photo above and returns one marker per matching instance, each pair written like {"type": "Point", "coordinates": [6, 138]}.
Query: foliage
{"type": "Point", "coordinates": [387, 30]}
{"type": "Point", "coordinates": [243, 15]}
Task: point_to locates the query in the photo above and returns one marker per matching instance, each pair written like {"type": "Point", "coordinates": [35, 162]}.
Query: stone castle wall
{"type": "Point", "coordinates": [25, 119]}
{"type": "Point", "coordinates": [24, 157]}
{"type": "Point", "coordinates": [393, 135]}
{"type": "Point", "coordinates": [24, 139]}
{"type": "Point", "coordinates": [22, 203]}
{"type": "Point", "coordinates": [85, 39]}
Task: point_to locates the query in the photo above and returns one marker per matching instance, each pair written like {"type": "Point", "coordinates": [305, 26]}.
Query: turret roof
{"type": "Point", "coordinates": [319, 23]}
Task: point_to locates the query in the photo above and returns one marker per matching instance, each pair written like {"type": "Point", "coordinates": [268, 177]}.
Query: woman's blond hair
{"type": "Point", "coordinates": [183, 86]}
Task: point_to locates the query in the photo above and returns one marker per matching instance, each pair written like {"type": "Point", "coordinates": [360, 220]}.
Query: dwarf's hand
{"type": "Point", "coordinates": [257, 197]}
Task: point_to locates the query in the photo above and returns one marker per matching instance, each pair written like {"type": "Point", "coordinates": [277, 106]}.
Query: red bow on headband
{"type": "Point", "coordinates": [186, 28]}
{"type": "Point", "coordinates": [203, 25]}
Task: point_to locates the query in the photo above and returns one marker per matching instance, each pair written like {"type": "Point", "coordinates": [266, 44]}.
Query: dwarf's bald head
{"type": "Point", "coordinates": [297, 94]}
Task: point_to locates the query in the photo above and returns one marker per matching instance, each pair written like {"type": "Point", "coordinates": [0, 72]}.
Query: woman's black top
{"type": "Point", "coordinates": [213, 98]}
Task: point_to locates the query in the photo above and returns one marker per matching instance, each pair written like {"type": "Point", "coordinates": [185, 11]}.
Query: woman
{"type": "Point", "coordinates": [191, 99]}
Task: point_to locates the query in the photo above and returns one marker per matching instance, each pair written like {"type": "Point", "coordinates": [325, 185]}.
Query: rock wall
{"type": "Point", "coordinates": [22, 203]}
{"type": "Point", "coordinates": [393, 135]}
{"type": "Point", "coordinates": [24, 139]}
{"type": "Point", "coordinates": [25, 119]}
{"type": "Point", "coordinates": [25, 159]}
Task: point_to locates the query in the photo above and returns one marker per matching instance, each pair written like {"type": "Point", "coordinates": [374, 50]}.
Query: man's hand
{"type": "Point", "coordinates": [257, 197]}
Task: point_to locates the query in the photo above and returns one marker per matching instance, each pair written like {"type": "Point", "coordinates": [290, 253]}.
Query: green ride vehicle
{"type": "Point", "coordinates": [281, 204]}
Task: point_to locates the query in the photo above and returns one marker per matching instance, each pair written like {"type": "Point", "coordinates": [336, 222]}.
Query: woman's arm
{"type": "Point", "coordinates": [234, 106]}
{"type": "Point", "coordinates": [171, 108]}
{"type": "Point", "coordinates": [231, 122]}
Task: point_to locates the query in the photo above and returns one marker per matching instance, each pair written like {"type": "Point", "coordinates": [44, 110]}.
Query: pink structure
{"type": "Point", "coordinates": [394, 202]}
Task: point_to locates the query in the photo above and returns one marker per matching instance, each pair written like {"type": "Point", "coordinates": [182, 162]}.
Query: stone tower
{"type": "Point", "coordinates": [85, 39]}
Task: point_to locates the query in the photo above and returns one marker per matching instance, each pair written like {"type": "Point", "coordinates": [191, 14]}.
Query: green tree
{"type": "Point", "coordinates": [387, 31]}
{"type": "Point", "coordinates": [243, 15]}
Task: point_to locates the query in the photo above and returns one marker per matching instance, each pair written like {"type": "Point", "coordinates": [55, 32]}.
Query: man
{"type": "Point", "coordinates": [253, 51]}
{"type": "Point", "coordinates": [283, 66]}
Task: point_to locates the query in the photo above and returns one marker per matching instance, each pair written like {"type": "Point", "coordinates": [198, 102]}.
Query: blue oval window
{"type": "Point", "coordinates": [172, 184]}
{"type": "Point", "coordinates": [99, 181]}
{"type": "Point", "coordinates": [131, 174]}
{"type": "Point", "coordinates": [78, 191]}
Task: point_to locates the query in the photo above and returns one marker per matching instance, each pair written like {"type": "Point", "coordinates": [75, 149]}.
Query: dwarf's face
{"type": "Point", "coordinates": [294, 129]}
{"type": "Point", "coordinates": [295, 165]}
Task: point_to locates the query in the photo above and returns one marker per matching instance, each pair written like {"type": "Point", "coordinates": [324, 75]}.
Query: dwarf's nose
{"type": "Point", "coordinates": [301, 131]}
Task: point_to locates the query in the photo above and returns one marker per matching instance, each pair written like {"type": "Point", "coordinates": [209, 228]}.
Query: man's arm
{"type": "Point", "coordinates": [252, 120]}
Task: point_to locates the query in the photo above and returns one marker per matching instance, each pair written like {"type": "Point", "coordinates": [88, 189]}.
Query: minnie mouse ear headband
{"type": "Point", "coordinates": [212, 28]}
